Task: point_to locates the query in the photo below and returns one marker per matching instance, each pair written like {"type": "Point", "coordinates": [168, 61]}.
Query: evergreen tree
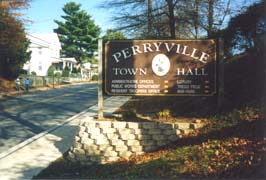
{"type": "Point", "coordinates": [78, 33]}
{"type": "Point", "coordinates": [113, 34]}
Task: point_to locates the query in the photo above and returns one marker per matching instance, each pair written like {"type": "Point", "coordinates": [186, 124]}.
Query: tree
{"type": "Point", "coordinates": [133, 16]}
{"type": "Point", "coordinates": [14, 4]}
{"type": "Point", "coordinates": [247, 30]}
{"type": "Point", "coordinates": [113, 34]}
{"type": "Point", "coordinates": [171, 18]}
{"type": "Point", "coordinates": [13, 46]}
{"type": "Point", "coordinates": [78, 33]}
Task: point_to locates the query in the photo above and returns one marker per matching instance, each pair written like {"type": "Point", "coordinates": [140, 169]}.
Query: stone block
{"type": "Point", "coordinates": [150, 148]}
{"type": "Point", "coordinates": [139, 153]}
{"type": "Point", "coordinates": [108, 130]}
{"type": "Point", "coordinates": [70, 156]}
{"type": "Point", "coordinates": [77, 138]}
{"type": "Point", "coordinates": [126, 131]}
{"type": "Point", "coordinates": [81, 157]}
{"type": "Point", "coordinates": [110, 153]}
{"type": "Point", "coordinates": [162, 143]}
{"type": "Point", "coordinates": [173, 138]}
{"type": "Point", "coordinates": [96, 159]}
{"type": "Point", "coordinates": [112, 136]}
{"type": "Point", "coordinates": [169, 132]}
{"type": "Point", "coordinates": [165, 126]}
{"type": "Point", "coordinates": [78, 151]}
{"type": "Point", "coordinates": [148, 142]}
{"type": "Point", "coordinates": [186, 131]}
{"type": "Point", "coordinates": [94, 131]}
{"type": "Point", "coordinates": [97, 136]}
{"type": "Point", "coordinates": [139, 131]}
{"type": "Point", "coordinates": [125, 154]}
{"type": "Point", "coordinates": [112, 159]}
{"type": "Point", "coordinates": [100, 141]}
{"type": "Point", "coordinates": [117, 142]}
{"type": "Point", "coordinates": [159, 137]}
{"type": "Point", "coordinates": [136, 149]}
{"type": "Point", "coordinates": [149, 125]}
{"type": "Point", "coordinates": [143, 137]}
{"type": "Point", "coordinates": [119, 125]}
{"type": "Point", "coordinates": [196, 125]}
{"type": "Point", "coordinates": [90, 125]}
{"type": "Point", "coordinates": [121, 148]}
{"type": "Point", "coordinates": [154, 131]}
{"type": "Point", "coordinates": [87, 141]}
{"type": "Point", "coordinates": [82, 134]}
{"type": "Point", "coordinates": [178, 132]}
{"type": "Point", "coordinates": [104, 124]}
{"type": "Point", "coordinates": [77, 145]}
{"type": "Point", "coordinates": [127, 136]}
{"type": "Point", "coordinates": [133, 125]}
{"type": "Point", "coordinates": [133, 142]}
{"type": "Point", "coordinates": [93, 152]}
{"type": "Point", "coordinates": [106, 147]}
{"type": "Point", "coordinates": [182, 125]}
{"type": "Point", "coordinates": [82, 128]}
{"type": "Point", "coordinates": [92, 149]}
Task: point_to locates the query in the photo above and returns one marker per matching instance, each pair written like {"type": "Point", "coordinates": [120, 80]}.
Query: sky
{"type": "Point", "coordinates": [42, 14]}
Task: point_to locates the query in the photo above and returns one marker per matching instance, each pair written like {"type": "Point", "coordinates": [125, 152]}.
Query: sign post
{"type": "Point", "coordinates": [100, 81]}
{"type": "Point", "coordinates": [221, 74]}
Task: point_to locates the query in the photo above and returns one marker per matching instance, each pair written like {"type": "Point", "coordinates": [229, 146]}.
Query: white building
{"type": "Point", "coordinates": [45, 51]}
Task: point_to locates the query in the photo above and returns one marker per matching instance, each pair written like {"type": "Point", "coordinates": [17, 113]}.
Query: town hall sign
{"type": "Point", "coordinates": [160, 67]}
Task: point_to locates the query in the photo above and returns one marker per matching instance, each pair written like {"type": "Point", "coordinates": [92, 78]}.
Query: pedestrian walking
{"type": "Point", "coordinates": [18, 84]}
{"type": "Point", "coordinates": [27, 84]}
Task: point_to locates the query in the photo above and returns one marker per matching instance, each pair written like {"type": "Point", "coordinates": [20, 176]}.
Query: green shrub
{"type": "Point", "coordinates": [94, 77]}
{"type": "Point", "coordinates": [58, 74]}
{"type": "Point", "coordinates": [166, 113]}
{"type": "Point", "coordinates": [50, 71]}
{"type": "Point", "coordinates": [66, 72]}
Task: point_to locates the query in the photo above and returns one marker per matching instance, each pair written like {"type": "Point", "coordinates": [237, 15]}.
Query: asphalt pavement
{"type": "Point", "coordinates": [47, 141]}
{"type": "Point", "coordinates": [26, 115]}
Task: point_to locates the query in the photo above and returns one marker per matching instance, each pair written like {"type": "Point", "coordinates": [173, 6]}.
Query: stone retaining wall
{"type": "Point", "coordinates": [106, 141]}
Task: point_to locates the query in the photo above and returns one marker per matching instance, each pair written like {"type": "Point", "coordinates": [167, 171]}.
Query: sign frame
{"type": "Point", "coordinates": [215, 61]}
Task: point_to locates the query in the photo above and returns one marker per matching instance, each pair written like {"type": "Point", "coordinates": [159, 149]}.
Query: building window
{"type": "Point", "coordinates": [40, 66]}
{"type": "Point", "coordinates": [40, 51]}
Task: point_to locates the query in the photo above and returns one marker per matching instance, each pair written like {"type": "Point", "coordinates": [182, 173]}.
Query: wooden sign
{"type": "Point", "coordinates": [160, 67]}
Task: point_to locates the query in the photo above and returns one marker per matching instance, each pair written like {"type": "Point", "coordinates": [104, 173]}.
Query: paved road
{"type": "Point", "coordinates": [24, 116]}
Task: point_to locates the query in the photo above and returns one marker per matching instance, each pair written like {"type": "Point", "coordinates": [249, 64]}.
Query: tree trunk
{"type": "Point", "coordinates": [149, 18]}
{"type": "Point", "coordinates": [171, 16]}
{"type": "Point", "coordinates": [196, 19]}
{"type": "Point", "coordinates": [210, 18]}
